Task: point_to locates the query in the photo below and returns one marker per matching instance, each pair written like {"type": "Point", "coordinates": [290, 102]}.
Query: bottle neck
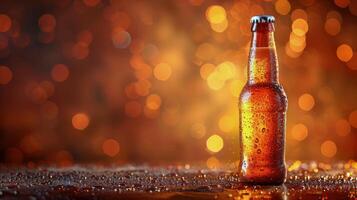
{"type": "Point", "coordinates": [263, 63]}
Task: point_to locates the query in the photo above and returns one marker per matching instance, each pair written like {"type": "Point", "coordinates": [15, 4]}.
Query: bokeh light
{"type": "Point", "coordinates": [5, 75]}
{"type": "Point", "coordinates": [167, 74]}
{"type": "Point", "coordinates": [121, 39]}
{"type": "Point", "coordinates": [213, 163]}
{"type": "Point", "coordinates": [5, 23]}
{"type": "Point", "coordinates": [300, 27]}
{"type": "Point", "coordinates": [80, 121]}
{"type": "Point", "coordinates": [153, 102]}
{"type": "Point", "coordinates": [162, 71]}
{"type": "Point", "coordinates": [298, 13]}
{"type": "Point", "coordinates": [214, 143]}
{"type": "Point", "coordinates": [47, 23]}
{"type": "Point", "coordinates": [111, 147]}
{"type": "Point", "coordinates": [206, 70]}
{"type": "Point", "coordinates": [344, 52]}
{"type": "Point", "coordinates": [216, 14]}
{"type": "Point", "coordinates": [299, 132]}
{"type": "Point", "coordinates": [59, 72]}
{"type": "Point", "coordinates": [342, 3]}
{"type": "Point", "coordinates": [306, 102]}
{"type": "Point", "coordinates": [328, 148]}
{"type": "Point", "coordinates": [282, 7]}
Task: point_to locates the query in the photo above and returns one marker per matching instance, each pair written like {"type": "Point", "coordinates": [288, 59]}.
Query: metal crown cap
{"type": "Point", "coordinates": [262, 19]}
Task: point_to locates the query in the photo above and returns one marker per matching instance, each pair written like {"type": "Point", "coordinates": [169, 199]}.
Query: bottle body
{"type": "Point", "coordinates": [262, 113]}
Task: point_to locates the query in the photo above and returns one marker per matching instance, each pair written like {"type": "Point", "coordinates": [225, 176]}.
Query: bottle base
{"type": "Point", "coordinates": [263, 176]}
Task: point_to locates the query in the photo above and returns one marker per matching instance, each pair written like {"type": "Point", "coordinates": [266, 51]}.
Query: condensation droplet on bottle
{"type": "Point", "coordinates": [259, 151]}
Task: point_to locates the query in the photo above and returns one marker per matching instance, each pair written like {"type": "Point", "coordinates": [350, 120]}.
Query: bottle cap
{"type": "Point", "coordinates": [262, 19]}
{"type": "Point", "coordinates": [262, 23]}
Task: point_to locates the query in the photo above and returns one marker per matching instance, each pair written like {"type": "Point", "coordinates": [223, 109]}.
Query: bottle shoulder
{"type": "Point", "coordinates": [263, 96]}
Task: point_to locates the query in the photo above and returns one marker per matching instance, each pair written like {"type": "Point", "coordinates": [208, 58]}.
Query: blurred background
{"type": "Point", "coordinates": [106, 81]}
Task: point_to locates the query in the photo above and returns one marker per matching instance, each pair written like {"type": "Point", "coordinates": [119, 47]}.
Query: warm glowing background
{"type": "Point", "coordinates": [158, 81]}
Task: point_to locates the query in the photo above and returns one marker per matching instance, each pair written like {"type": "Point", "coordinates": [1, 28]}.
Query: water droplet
{"type": "Point", "coordinates": [256, 140]}
{"type": "Point", "coordinates": [259, 151]}
{"type": "Point", "coordinates": [263, 130]}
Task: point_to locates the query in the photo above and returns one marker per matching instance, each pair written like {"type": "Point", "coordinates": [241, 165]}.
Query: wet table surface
{"type": "Point", "coordinates": [310, 180]}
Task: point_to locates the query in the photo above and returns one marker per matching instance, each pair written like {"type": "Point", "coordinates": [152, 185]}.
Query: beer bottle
{"type": "Point", "coordinates": [262, 110]}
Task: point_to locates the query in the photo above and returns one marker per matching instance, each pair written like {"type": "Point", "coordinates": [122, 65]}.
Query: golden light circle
{"type": "Point", "coordinates": [226, 70]}
{"type": "Point", "coordinates": [298, 13]}
{"type": "Point", "coordinates": [282, 7]}
{"type": "Point", "coordinates": [206, 70]}
{"type": "Point", "coordinates": [296, 40]}
{"type": "Point", "coordinates": [297, 43]}
{"type": "Point", "coordinates": [300, 27]}
{"type": "Point", "coordinates": [306, 102]}
{"type": "Point", "coordinates": [215, 82]}
{"type": "Point", "coordinates": [221, 27]}
{"type": "Point", "coordinates": [290, 52]}
{"type": "Point", "coordinates": [216, 14]}
{"type": "Point", "coordinates": [214, 143]}
{"type": "Point", "coordinates": [328, 148]}
{"type": "Point", "coordinates": [235, 87]}
{"type": "Point", "coordinates": [213, 163]}
{"type": "Point", "coordinates": [153, 102]}
{"type": "Point", "coordinates": [162, 71]}
{"type": "Point", "coordinates": [80, 121]}
{"type": "Point", "coordinates": [344, 52]}
{"type": "Point", "coordinates": [299, 132]}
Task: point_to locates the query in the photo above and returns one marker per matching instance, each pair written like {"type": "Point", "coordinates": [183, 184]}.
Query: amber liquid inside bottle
{"type": "Point", "coordinates": [262, 112]}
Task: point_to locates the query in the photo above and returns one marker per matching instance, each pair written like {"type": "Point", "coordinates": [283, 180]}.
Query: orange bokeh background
{"type": "Point", "coordinates": [103, 81]}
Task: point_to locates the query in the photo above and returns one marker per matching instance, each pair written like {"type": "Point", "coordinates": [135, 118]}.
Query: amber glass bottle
{"type": "Point", "coordinates": [262, 110]}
